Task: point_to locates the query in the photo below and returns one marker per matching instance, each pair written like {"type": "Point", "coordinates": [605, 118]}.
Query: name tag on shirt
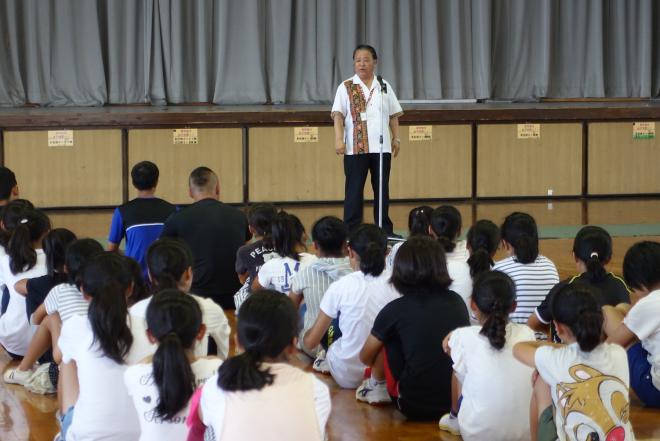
{"type": "Point", "coordinates": [363, 116]}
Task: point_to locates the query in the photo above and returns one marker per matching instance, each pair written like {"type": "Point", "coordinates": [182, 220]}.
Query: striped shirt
{"type": "Point", "coordinates": [533, 283]}
{"type": "Point", "coordinates": [313, 281]}
{"type": "Point", "coordinates": [66, 300]}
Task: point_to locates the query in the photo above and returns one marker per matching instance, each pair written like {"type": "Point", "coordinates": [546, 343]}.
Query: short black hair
{"type": "Point", "coordinates": [365, 47]}
{"type": "Point", "coordinates": [330, 234]}
{"type": "Point", "coordinates": [202, 177]}
{"type": "Point", "coordinates": [7, 182]}
{"type": "Point", "coordinates": [641, 265]}
{"type": "Point", "coordinates": [420, 267]}
{"type": "Point", "coordinates": [144, 175]}
{"type": "Point", "coordinates": [520, 231]}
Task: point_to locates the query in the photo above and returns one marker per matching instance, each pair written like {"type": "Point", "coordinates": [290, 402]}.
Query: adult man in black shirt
{"type": "Point", "coordinates": [214, 231]}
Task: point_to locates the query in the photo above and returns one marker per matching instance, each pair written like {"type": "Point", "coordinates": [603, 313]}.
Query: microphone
{"type": "Point", "coordinates": [383, 86]}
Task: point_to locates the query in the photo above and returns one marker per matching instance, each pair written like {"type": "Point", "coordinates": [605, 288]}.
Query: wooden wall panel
{"type": "Point", "coordinates": [219, 149]}
{"type": "Point", "coordinates": [553, 213]}
{"type": "Point", "coordinates": [86, 175]}
{"type": "Point", "coordinates": [439, 168]}
{"type": "Point", "coordinates": [619, 164]}
{"type": "Point", "coordinates": [508, 166]}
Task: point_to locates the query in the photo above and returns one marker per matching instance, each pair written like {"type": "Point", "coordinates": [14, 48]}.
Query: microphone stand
{"type": "Point", "coordinates": [383, 92]}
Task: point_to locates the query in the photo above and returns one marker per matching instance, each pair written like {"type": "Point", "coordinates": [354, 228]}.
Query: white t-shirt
{"type": "Point", "coordinates": [67, 300]}
{"type": "Point", "coordinates": [277, 272]}
{"type": "Point", "coordinates": [460, 252]}
{"type": "Point", "coordinates": [643, 320]}
{"type": "Point", "coordinates": [389, 259]}
{"type": "Point", "coordinates": [461, 284]}
{"type": "Point", "coordinates": [391, 108]}
{"type": "Point", "coordinates": [533, 283]}
{"type": "Point", "coordinates": [103, 410]}
{"type": "Point", "coordinates": [589, 390]}
{"type": "Point", "coordinates": [217, 327]}
{"type": "Point", "coordinates": [356, 299]}
{"type": "Point", "coordinates": [141, 387]}
{"type": "Point", "coordinates": [487, 375]}
{"type": "Point", "coordinates": [15, 328]}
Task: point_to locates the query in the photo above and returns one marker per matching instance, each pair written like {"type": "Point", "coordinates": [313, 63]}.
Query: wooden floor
{"type": "Point", "coordinates": [25, 416]}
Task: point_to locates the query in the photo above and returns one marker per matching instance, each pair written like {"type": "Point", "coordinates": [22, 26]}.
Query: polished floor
{"type": "Point", "coordinates": [25, 416]}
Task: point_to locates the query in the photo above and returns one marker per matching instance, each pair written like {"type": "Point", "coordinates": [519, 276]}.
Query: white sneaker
{"type": "Point", "coordinates": [16, 376]}
{"type": "Point", "coordinates": [372, 392]}
{"type": "Point", "coordinates": [449, 423]}
{"type": "Point", "coordinates": [320, 364]}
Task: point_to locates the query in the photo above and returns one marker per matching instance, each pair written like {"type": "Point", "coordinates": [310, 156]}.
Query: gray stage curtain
{"type": "Point", "coordinates": [92, 52]}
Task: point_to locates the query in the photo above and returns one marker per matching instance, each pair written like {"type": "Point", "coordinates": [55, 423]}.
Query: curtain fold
{"type": "Point", "coordinates": [95, 52]}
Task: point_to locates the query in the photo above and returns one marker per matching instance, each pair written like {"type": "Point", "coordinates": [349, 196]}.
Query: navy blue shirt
{"type": "Point", "coordinates": [140, 221]}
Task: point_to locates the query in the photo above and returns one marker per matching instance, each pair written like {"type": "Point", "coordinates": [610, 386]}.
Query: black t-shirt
{"type": "Point", "coordinates": [38, 288]}
{"type": "Point", "coordinates": [609, 291]}
{"type": "Point", "coordinates": [250, 257]}
{"type": "Point", "coordinates": [412, 329]}
{"type": "Point", "coordinates": [214, 231]}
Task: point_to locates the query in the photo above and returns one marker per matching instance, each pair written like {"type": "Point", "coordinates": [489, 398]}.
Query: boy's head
{"type": "Point", "coordinates": [329, 234]}
{"type": "Point", "coordinates": [8, 185]}
{"type": "Point", "coordinates": [260, 218]}
{"type": "Point", "coordinates": [145, 175]}
{"type": "Point", "coordinates": [641, 266]}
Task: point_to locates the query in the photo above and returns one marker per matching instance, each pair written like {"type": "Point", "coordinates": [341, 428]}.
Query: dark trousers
{"type": "Point", "coordinates": [356, 168]}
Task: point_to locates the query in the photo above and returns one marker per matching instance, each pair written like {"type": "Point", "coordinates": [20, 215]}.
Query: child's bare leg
{"type": "Point", "coordinates": [67, 386]}
{"type": "Point", "coordinates": [55, 327]}
{"type": "Point", "coordinates": [541, 399]}
{"type": "Point", "coordinates": [456, 391]}
{"type": "Point", "coordinates": [378, 368]}
{"type": "Point", "coordinates": [38, 346]}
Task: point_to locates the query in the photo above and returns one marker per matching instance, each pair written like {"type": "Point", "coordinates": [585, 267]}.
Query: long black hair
{"type": "Point", "coordinates": [106, 278]}
{"type": "Point", "coordinates": [575, 306]}
{"type": "Point", "coordinates": [32, 226]}
{"type": "Point", "coordinates": [55, 244]}
{"type": "Point", "coordinates": [287, 235]}
{"type": "Point", "coordinates": [520, 231]}
{"type": "Point", "coordinates": [267, 324]}
{"type": "Point", "coordinates": [11, 214]}
{"type": "Point", "coordinates": [593, 246]}
{"type": "Point", "coordinates": [369, 242]}
{"type": "Point", "coordinates": [167, 260]}
{"type": "Point", "coordinates": [419, 220]}
{"type": "Point", "coordinates": [494, 293]}
{"type": "Point", "coordinates": [260, 218]}
{"type": "Point", "coordinates": [78, 253]}
{"type": "Point", "coordinates": [446, 224]}
{"type": "Point", "coordinates": [174, 319]}
{"type": "Point", "coordinates": [140, 290]}
{"type": "Point", "coordinates": [482, 240]}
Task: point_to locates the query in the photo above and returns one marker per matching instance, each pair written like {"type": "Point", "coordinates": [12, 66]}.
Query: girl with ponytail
{"type": "Point", "coordinates": [101, 346]}
{"type": "Point", "coordinates": [352, 302]}
{"type": "Point", "coordinates": [161, 385]}
{"type": "Point", "coordinates": [254, 392]}
{"type": "Point", "coordinates": [533, 274]}
{"type": "Point", "coordinates": [419, 221]}
{"type": "Point", "coordinates": [485, 369]}
{"type": "Point", "coordinates": [288, 237]}
{"type": "Point", "coordinates": [580, 378]}
{"type": "Point", "coordinates": [169, 265]}
{"type": "Point", "coordinates": [25, 259]}
{"type": "Point", "coordinates": [592, 250]}
{"type": "Point", "coordinates": [483, 238]}
{"type": "Point", "coordinates": [446, 223]}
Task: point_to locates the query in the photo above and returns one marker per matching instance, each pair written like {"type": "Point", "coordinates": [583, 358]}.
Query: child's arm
{"type": "Point", "coordinates": [525, 351]}
{"type": "Point", "coordinates": [296, 298]}
{"type": "Point", "coordinates": [445, 344]}
{"type": "Point", "coordinates": [39, 314]}
{"type": "Point", "coordinates": [613, 326]}
{"type": "Point", "coordinates": [242, 277]}
{"type": "Point", "coordinates": [21, 287]}
{"type": "Point", "coordinates": [314, 335]}
{"type": "Point", "coordinates": [256, 286]}
{"type": "Point", "coordinates": [537, 325]}
{"type": "Point", "coordinates": [370, 350]}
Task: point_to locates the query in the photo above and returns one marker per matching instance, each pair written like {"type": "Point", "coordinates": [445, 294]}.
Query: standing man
{"type": "Point", "coordinates": [141, 220]}
{"type": "Point", "coordinates": [362, 106]}
{"type": "Point", "coordinates": [214, 231]}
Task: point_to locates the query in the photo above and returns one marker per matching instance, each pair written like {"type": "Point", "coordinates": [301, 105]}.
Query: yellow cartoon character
{"type": "Point", "coordinates": [594, 408]}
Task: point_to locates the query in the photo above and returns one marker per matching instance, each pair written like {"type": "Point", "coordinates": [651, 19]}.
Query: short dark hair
{"type": "Point", "coordinates": [446, 223]}
{"type": "Point", "coordinates": [144, 175]}
{"type": "Point", "coordinates": [260, 217]}
{"type": "Point", "coordinates": [641, 265]}
{"type": "Point", "coordinates": [365, 47]}
{"type": "Point", "coordinates": [202, 177]}
{"type": "Point", "coordinates": [420, 267]}
{"type": "Point", "coordinates": [330, 234]}
{"type": "Point", "coordinates": [520, 231]}
{"type": "Point", "coordinates": [7, 182]}
{"type": "Point", "coordinates": [369, 242]}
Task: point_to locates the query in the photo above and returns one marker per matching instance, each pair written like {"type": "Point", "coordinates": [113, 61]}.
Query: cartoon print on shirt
{"type": "Point", "coordinates": [595, 406]}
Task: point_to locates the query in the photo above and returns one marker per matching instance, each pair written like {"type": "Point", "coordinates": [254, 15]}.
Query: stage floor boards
{"type": "Point", "coordinates": [25, 416]}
